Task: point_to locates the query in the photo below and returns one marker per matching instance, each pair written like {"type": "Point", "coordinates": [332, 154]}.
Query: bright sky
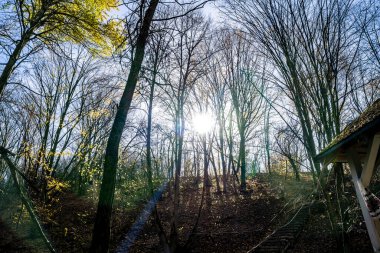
{"type": "Point", "coordinates": [210, 10]}
{"type": "Point", "coordinates": [202, 123]}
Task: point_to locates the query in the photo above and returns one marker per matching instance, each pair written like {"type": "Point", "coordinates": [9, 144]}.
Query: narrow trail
{"type": "Point", "coordinates": [137, 227]}
{"type": "Point", "coordinates": [284, 237]}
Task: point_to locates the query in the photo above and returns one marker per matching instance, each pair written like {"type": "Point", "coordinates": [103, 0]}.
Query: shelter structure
{"type": "Point", "coordinates": [358, 145]}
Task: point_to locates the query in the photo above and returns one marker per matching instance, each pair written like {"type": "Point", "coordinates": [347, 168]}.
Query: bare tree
{"type": "Point", "coordinates": [313, 47]}
{"type": "Point", "coordinates": [245, 84]}
{"type": "Point", "coordinates": [187, 61]}
{"type": "Point", "coordinates": [144, 13]}
{"type": "Point", "coordinates": [290, 148]}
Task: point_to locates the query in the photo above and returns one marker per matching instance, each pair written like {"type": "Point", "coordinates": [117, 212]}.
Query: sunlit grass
{"type": "Point", "coordinates": [293, 192]}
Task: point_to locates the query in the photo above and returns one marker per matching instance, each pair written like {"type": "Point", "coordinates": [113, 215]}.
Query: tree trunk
{"type": "Point", "coordinates": [161, 232]}
{"type": "Point", "coordinates": [178, 164]}
{"type": "Point", "coordinates": [101, 232]}
{"type": "Point", "coordinates": [149, 131]}
{"type": "Point", "coordinates": [212, 159]}
{"type": "Point", "coordinates": [9, 67]}
{"type": "Point", "coordinates": [206, 177]}
{"type": "Point", "coordinates": [243, 183]}
{"type": "Point", "coordinates": [221, 142]}
{"type": "Point", "coordinates": [295, 169]}
{"type": "Point", "coordinates": [267, 143]}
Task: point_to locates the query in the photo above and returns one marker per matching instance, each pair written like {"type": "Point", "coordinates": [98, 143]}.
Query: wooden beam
{"type": "Point", "coordinates": [328, 159]}
{"type": "Point", "coordinates": [369, 164]}
{"type": "Point", "coordinates": [377, 166]}
{"type": "Point", "coordinates": [373, 226]}
{"type": "Point", "coordinates": [354, 159]}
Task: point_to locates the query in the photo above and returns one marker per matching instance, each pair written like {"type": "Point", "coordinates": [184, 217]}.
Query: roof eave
{"type": "Point", "coordinates": [330, 151]}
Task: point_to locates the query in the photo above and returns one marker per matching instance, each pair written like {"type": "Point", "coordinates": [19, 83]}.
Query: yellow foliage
{"type": "Point", "coordinates": [79, 21]}
{"type": "Point", "coordinates": [53, 183]}
{"type": "Point", "coordinates": [63, 153]}
{"type": "Point", "coordinates": [95, 114]}
{"type": "Point", "coordinates": [83, 133]}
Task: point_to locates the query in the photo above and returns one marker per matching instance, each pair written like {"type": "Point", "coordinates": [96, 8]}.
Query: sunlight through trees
{"type": "Point", "coordinates": [104, 102]}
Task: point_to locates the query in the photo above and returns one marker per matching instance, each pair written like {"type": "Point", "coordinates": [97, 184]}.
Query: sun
{"type": "Point", "coordinates": [202, 123]}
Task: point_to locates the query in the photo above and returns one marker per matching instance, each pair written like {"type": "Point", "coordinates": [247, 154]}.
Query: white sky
{"type": "Point", "coordinates": [210, 10]}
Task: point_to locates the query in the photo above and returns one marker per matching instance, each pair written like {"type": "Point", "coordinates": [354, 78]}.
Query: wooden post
{"type": "Point", "coordinates": [370, 161]}
{"type": "Point", "coordinates": [373, 226]}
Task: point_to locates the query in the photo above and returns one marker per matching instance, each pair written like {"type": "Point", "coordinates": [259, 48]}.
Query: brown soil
{"type": "Point", "coordinates": [10, 242]}
{"type": "Point", "coordinates": [317, 237]}
{"type": "Point", "coordinates": [70, 222]}
{"type": "Point", "coordinates": [231, 222]}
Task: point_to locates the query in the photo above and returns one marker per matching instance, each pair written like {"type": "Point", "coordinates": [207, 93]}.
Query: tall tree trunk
{"type": "Point", "coordinates": [9, 66]}
{"type": "Point", "coordinates": [221, 143]}
{"type": "Point", "coordinates": [341, 206]}
{"type": "Point", "coordinates": [161, 232]}
{"type": "Point", "coordinates": [231, 163]}
{"type": "Point", "coordinates": [206, 177]}
{"type": "Point", "coordinates": [101, 232]}
{"type": "Point", "coordinates": [196, 162]}
{"type": "Point", "coordinates": [149, 131]}
{"type": "Point", "coordinates": [212, 159]}
{"type": "Point", "coordinates": [295, 168]}
{"type": "Point", "coordinates": [242, 155]}
{"type": "Point", "coordinates": [180, 127]}
{"type": "Point", "coordinates": [267, 143]}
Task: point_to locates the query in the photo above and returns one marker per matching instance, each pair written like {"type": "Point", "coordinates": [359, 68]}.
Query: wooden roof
{"type": "Point", "coordinates": [367, 122]}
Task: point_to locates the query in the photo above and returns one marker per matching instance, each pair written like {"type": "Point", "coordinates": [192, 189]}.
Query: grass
{"type": "Point", "coordinates": [18, 221]}
{"type": "Point", "coordinates": [293, 193]}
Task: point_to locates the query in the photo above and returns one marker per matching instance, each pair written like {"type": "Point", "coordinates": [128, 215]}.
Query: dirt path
{"type": "Point", "coordinates": [229, 222]}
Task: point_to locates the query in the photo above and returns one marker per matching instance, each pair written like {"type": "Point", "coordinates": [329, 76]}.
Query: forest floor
{"type": "Point", "coordinates": [229, 222]}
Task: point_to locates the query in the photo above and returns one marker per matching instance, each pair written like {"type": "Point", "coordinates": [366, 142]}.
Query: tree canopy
{"type": "Point", "coordinates": [26, 23]}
